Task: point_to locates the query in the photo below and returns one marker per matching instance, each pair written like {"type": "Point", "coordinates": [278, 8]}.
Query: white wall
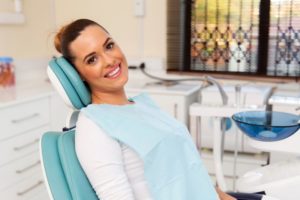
{"type": "Point", "coordinates": [138, 37]}
{"type": "Point", "coordinates": [31, 39]}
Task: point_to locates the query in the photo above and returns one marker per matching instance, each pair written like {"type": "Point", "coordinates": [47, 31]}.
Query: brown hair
{"type": "Point", "coordinates": [69, 33]}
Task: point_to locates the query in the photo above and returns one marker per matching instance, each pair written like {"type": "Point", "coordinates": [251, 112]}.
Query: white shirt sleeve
{"type": "Point", "coordinates": [101, 158]}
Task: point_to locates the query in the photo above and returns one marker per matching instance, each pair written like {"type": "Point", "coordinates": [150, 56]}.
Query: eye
{"type": "Point", "coordinates": [91, 60]}
{"type": "Point", "coordinates": [110, 45]}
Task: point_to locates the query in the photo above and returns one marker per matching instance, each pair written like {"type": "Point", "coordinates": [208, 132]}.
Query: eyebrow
{"type": "Point", "coordinates": [92, 53]}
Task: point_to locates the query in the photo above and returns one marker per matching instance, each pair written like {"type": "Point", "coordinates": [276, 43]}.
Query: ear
{"type": "Point", "coordinates": [75, 89]}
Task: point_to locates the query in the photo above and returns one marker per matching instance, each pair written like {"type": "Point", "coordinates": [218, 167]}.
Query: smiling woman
{"type": "Point", "coordinates": [128, 147]}
{"type": "Point", "coordinates": [98, 59]}
{"type": "Point", "coordinates": [100, 62]}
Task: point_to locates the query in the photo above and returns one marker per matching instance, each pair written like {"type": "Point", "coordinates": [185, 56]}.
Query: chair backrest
{"type": "Point", "coordinates": [64, 177]}
{"type": "Point", "coordinates": [68, 83]}
{"type": "Point", "coordinates": [63, 173]}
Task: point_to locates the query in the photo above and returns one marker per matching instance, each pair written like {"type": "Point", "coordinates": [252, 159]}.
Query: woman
{"type": "Point", "coordinates": [128, 148]}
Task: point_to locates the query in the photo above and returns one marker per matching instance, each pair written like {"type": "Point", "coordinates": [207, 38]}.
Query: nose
{"type": "Point", "coordinates": [108, 59]}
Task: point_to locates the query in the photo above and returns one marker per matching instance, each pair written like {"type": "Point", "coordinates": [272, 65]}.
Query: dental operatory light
{"type": "Point", "coordinates": [267, 125]}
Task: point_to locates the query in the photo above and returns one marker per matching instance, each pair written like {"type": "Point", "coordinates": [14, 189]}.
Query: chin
{"type": "Point", "coordinates": [124, 80]}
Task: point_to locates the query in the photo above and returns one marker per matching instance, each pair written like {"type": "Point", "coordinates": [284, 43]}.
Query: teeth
{"type": "Point", "coordinates": [113, 73]}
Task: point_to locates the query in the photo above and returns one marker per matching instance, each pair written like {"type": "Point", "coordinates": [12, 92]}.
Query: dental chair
{"type": "Point", "coordinates": [64, 177]}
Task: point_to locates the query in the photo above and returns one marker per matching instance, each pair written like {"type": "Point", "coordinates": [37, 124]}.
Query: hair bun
{"type": "Point", "coordinates": [58, 39]}
{"type": "Point", "coordinates": [68, 33]}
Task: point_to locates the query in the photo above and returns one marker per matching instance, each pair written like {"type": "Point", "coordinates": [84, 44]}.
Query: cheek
{"type": "Point", "coordinates": [91, 73]}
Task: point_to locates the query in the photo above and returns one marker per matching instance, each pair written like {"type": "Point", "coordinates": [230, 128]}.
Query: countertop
{"type": "Point", "coordinates": [157, 88]}
{"type": "Point", "coordinates": [25, 92]}
{"type": "Point", "coordinates": [38, 89]}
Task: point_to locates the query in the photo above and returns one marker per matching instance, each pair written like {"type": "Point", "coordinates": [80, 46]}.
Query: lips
{"type": "Point", "coordinates": [114, 73]}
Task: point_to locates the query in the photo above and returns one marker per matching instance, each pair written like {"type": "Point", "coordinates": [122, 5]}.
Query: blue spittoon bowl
{"type": "Point", "coordinates": [267, 125]}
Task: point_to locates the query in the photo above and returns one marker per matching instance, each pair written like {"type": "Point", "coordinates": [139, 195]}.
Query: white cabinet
{"type": "Point", "coordinates": [22, 117]}
{"type": "Point", "coordinates": [23, 120]}
{"type": "Point", "coordinates": [21, 127]}
{"type": "Point", "coordinates": [173, 99]}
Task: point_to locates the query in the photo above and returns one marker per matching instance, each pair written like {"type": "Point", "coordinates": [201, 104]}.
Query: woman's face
{"type": "Point", "coordinates": [99, 60]}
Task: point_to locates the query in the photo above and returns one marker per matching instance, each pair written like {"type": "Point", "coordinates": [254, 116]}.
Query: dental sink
{"type": "Point", "coordinates": [267, 125]}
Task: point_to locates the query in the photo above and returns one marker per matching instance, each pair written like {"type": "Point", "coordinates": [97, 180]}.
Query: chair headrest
{"type": "Point", "coordinates": [68, 83]}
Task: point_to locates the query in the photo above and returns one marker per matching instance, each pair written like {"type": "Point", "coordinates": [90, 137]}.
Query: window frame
{"type": "Point", "coordinates": [184, 45]}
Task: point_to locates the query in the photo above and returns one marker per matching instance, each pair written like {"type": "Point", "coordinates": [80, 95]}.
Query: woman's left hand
{"type": "Point", "coordinates": [224, 196]}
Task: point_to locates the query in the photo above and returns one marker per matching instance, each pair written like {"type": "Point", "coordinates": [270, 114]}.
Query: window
{"type": "Point", "coordinates": [254, 37]}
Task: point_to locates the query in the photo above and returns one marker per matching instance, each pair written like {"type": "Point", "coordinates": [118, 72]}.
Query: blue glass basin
{"type": "Point", "coordinates": [267, 125]}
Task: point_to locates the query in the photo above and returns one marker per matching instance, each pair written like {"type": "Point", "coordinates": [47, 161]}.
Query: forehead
{"type": "Point", "coordinates": [91, 38]}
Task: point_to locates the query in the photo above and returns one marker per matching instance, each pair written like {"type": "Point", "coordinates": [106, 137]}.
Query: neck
{"type": "Point", "coordinates": [114, 98]}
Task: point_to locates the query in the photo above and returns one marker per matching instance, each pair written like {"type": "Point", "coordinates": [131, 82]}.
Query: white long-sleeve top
{"type": "Point", "coordinates": [115, 171]}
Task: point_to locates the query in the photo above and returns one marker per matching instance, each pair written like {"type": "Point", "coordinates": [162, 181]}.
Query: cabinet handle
{"type": "Point", "coordinates": [40, 182]}
{"type": "Point", "coordinates": [20, 171]}
{"type": "Point", "coordinates": [26, 145]}
{"type": "Point", "coordinates": [16, 121]}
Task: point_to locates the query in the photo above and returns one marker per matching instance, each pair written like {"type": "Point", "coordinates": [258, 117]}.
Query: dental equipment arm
{"type": "Point", "coordinates": [208, 79]}
{"type": "Point", "coordinates": [221, 90]}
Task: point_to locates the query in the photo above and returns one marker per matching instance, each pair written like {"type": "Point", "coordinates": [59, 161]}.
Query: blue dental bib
{"type": "Point", "coordinates": [172, 165]}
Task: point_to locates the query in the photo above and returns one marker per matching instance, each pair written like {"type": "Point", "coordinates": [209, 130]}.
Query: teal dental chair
{"type": "Point", "coordinates": [64, 177]}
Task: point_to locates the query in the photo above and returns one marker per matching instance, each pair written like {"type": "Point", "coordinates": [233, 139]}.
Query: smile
{"type": "Point", "coordinates": [114, 73]}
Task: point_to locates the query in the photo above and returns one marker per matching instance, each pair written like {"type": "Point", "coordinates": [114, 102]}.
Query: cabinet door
{"type": "Point", "coordinates": [174, 105]}
{"type": "Point", "coordinates": [23, 117]}
{"type": "Point", "coordinates": [41, 195]}
{"type": "Point", "coordinates": [25, 189]}
{"type": "Point", "coordinates": [20, 169]}
{"type": "Point", "coordinates": [21, 145]}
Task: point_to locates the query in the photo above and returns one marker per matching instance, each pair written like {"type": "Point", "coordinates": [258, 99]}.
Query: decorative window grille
{"type": "Point", "coordinates": [224, 35]}
{"type": "Point", "coordinates": [253, 37]}
{"type": "Point", "coordinates": [284, 47]}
